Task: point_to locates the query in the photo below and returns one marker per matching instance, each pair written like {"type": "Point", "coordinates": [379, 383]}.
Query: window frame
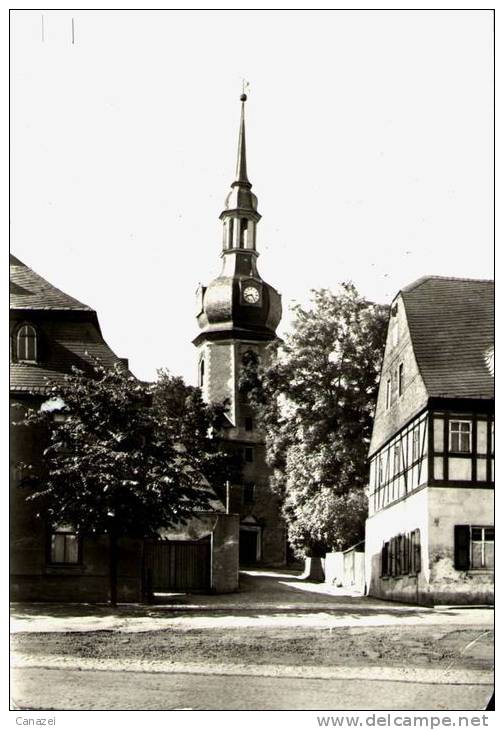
{"type": "Point", "coordinates": [249, 489]}
{"type": "Point", "coordinates": [401, 555]}
{"type": "Point", "coordinates": [400, 380]}
{"type": "Point", "coordinates": [460, 433]}
{"type": "Point", "coordinates": [388, 393]}
{"type": "Point", "coordinates": [65, 531]}
{"type": "Point", "coordinates": [33, 337]}
{"type": "Point", "coordinates": [463, 550]}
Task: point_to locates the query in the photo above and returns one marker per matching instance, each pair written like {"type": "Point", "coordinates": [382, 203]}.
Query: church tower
{"type": "Point", "coordinates": [238, 313]}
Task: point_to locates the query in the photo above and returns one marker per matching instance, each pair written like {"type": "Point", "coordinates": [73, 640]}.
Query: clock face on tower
{"type": "Point", "coordinates": [251, 295]}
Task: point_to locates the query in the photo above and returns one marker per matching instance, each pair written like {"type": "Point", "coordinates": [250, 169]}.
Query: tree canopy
{"type": "Point", "coordinates": [315, 402]}
{"type": "Point", "coordinates": [126, 457]}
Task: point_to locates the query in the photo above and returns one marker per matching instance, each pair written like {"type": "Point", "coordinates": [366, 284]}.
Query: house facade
{"type": "Point", "coordinates": [50, 332]}
{"type": "Point", "coordinates": [430, 529]}
{"type": "Point", "coordinates": [238, 313]}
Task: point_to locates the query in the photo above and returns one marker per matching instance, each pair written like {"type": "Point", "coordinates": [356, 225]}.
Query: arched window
{"type": "Point", "coordinates": [26, 344]}
{"type": "Point", "coordinates": [202, 374]}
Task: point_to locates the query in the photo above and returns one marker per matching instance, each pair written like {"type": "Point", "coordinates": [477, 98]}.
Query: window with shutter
{"type": "Point", "coordinates": [417, 555]}
{"type": "Point", "coordinates": [384, 559]}
{"type": "Point", "coordinates": [462, 547]}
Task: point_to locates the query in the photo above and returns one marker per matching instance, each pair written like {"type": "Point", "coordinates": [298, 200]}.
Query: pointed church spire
{"type": "Point", "coordinates": [241, 161]}
{"type": "Point", "coordinates": [240, 202]}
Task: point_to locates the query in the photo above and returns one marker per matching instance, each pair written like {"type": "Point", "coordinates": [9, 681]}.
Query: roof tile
{"type": "Point", "coordinates": [451, 322]}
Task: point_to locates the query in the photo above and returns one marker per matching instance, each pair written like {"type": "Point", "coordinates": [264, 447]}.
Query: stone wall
{"type": "Point", "coordinates": [222, 372]}
{"type": "Point", "coordinates": [225, 551]}
{"type": "Point", "coordinates": [450, 506]}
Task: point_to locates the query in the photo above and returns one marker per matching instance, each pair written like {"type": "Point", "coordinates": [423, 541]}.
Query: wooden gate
{"type": "Point", "coordinates": [177, 565]}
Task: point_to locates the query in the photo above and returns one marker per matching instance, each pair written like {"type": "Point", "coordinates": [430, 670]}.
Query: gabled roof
{"type": "Point", "coordinates": [451, 322]}
{"type": "Point", "coordinates": [29, 290]}
{"type": "Point", "coordinates": [68, 332]}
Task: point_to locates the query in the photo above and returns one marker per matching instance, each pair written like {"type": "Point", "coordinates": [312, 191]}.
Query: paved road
{"type": "Point", "coordinates": [66, 689]}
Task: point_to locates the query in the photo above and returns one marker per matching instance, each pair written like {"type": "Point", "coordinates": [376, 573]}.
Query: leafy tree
{"type": "Point", "coordinates": [196, 424]}
{"type": "Point", "coordinates": [315, 403]}
{"type": "Point", "coordinates": [125, 458]}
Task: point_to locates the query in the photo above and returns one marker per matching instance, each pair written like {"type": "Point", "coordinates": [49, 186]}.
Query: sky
{"type": "Point", "coordinates": [369, 145]}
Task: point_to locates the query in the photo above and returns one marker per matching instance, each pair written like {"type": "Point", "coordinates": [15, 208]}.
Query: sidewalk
{"type": "Point", "coordinates": [266, 599]}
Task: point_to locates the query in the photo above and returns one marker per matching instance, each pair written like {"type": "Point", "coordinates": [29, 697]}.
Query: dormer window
{"type": "Point", "coordinates": [26, 344]}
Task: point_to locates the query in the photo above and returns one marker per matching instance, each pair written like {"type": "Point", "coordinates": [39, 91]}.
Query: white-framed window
{"type": "Point", "coordinates": [26, 344]}
{"type": "Point", "coordinates": [415, 439]}
{"type": "Point", "coordinates": [380, 471]}
{"type": "Point", "coordinates": [474, 547]}
{"type": "Point", "coordinates": [482, 548]}
{"type": "Point", "coordinates": [397, 458]}
{"type": "Point", "coordinates": [460, 436]}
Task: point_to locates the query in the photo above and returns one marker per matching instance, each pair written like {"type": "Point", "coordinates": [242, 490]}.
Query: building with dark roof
{"type": "Point", "coordinates": [430, 530]}
{"type": "Point", "coordinates": [51, 332]}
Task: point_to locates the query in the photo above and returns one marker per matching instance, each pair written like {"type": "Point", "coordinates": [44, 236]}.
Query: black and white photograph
{"type": "Point", "coordinates": [251, 345]}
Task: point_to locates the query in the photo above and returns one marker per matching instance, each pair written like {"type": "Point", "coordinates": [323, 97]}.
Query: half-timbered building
{"type": "Point", "coordinates": [430, 530]}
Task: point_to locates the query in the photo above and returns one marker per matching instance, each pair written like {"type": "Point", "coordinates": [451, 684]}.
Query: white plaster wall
{"type": "Point", "coordinates": [333, 569]}
{"type": "Point", "coordinates": [402, 517]}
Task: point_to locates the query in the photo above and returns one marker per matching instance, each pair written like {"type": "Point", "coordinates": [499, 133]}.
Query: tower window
{"type": "Point", "coordinates": [230, 233]}
{"type": "Point", "coordinates": [202, 374]}
{"type": "Point", "coordinates": [26, 344]}
{"type": "Point", "coordinates": [243, 232]}
{"type": "Point", "coordinates": [248, 492]}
